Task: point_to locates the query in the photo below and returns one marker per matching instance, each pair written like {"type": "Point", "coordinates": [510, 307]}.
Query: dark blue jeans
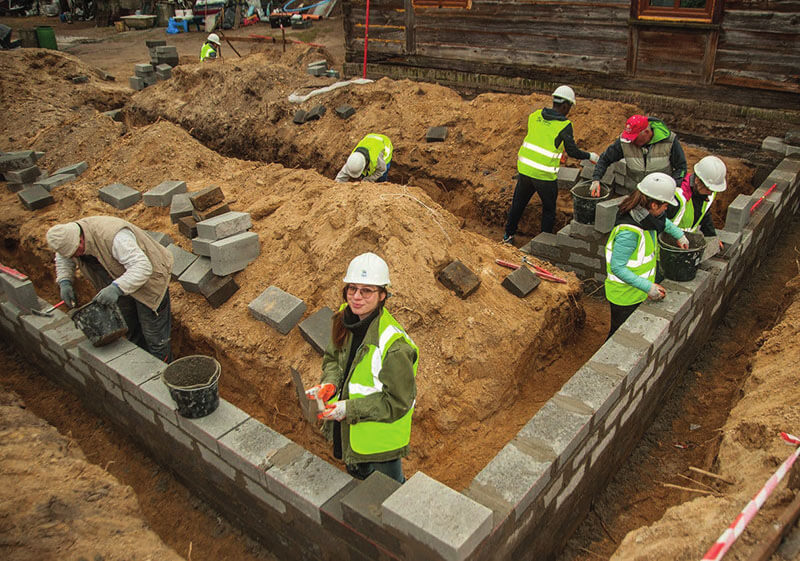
{"type": "Point", "coordinates": [392, 468]}
{"type": "Point", "coordinates": [147, 329]}
{"type": "Point", "coordinates": [385, 175]}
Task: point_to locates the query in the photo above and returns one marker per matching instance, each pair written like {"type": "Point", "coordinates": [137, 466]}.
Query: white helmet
{"type": "Point", "coordinates": [355, 165]}
{"type": "Point", "coordinates": [711, 171]}
{"type": "Point", "coordinates": [367, 268]}
{"type": "Point", "coordinates": [214, 38]}
{"type": "Point", "coordinates": [564, 93]}
{"type": "Point", "coordinates": [658, 186]}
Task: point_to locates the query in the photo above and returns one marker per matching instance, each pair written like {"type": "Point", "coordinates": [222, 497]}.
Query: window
{"type": "Point", "coordinates": [678, 10]}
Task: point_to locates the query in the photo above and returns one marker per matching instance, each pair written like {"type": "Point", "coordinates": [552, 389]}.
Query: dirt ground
{"type": "Point", "coordinates": [230, 124]}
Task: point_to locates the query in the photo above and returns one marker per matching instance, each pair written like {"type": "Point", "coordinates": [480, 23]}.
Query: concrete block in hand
{"type": "Point", "coordinates": [278, 309]}
{"type": "Point", "coordinates": [182, 259]}
{"type": "Point", "coordinates": [53, 181]}
{"type": "Point", "coordinates": [216, 210]}
{"type": "Point", "coordinates": [458, 278]}
{"type": "Point", "coordinates": [181, 206]}
{"type": "Point", "coordinates": [436, 134]}
{"type": "Point", "coordinates": [345, 111]}
{"type": "Point", "coordinates": [188, 227]}
{"type": "Point", "coordinates": [196, 274]}
{"type": "Point", "coordinates": [224, 225]}
{"type": "Point", "coordinates": [160, 237]}
{"type": "Point", "coordinates": [567, 177]}
{"type": "Point", "coordinates": [738, 213]}
{"type": "Point", "coordinates": [234, 253]}
{"type": "Point", "coordinates": [316, 329]}
{"type": "Point", "coordinates": [315, 113]}
{"type": "Point", "coordinates": [774, 144]}
{"type": "Point", "coordinates": [605, 214]}
{"type": "Point", "coordinates": [35, 197]}
{"type": "Point", "coordinates": [119, 196]}
{"type": "Point", "coordinates": [136, 83]}
{"type": "Point", "coordinates": [74, 169]}
{"type": "Point", "coordinates": [24, 175]}
{"type": "Point", "coordinates": [206, 198]}
{"type": "Point", "coordinates": [20, 292]}
{"type": "Point", "coordinates": [521, 282]}
{"type": "Point", "coordinates": [299, 117]}
{"type": "Point", "coordinates": [218, 290]}
{"type": "Point", "coordinates": [162, 194]}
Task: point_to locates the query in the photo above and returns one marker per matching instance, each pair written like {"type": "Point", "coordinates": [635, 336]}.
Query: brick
{"type": "Point", "coordinates": [277, 309]}
{"type": "Point", "coordinates": [206, 198]}
{"type": "Point", "coordinates": [155, 394]}
{"type": "Point", "coordinates": [436, 134]}
{"type": "Point", "coordinates": [17, 187]}
{"type": "Point", "coordinates": [586, 232]}
{"type": "Point", "coordinates": [187, 226]}
{"type": "Point", "coordinates": [35, 197]}
{"type": "Point", "coordinates": [34, 325]}
{"type": "Point", "coordinates": [300, 115]}
{"type": "Point", "coordinates": [521, 282]}
{"type": "Point", "coordinates": [316, 113]}
{"type": "Point", "coordinates": [196, 274]}
{"type": "Point", "coordinates": [136, 367]}
{"type": "Point", "coordinates": [161, 195]}
{"type": "Point", "coordinates": [565, 239]}
{"type": "Point", "coordinates": [345, 111]}
{"type": "Point", "coordinates": [556, 429]}
{"type": "Point", "coordinates": [119, 196]}
{"type": "Point", "coordinates": [17, 160]}
{"type": "Point", "coordinates": [218, 290]}
{"type": "Point", "coordinates": [180, 206]}
{"type": "Point", "coordinates": [74, 169]}
{"type": "Point", "coordinates": [20, 293]}
{"type": "Point", "coordinates": [142, 69]}
{"type": "Point", "coordinates": [567, 177]}
{"type": "Point", "coordinates": [136, 83]}
{"type": "Point", "coordinates": [209, 429]}
{"type": "Point", "coordinates": [221, 208]}
{"type": "Point", "coordinates": [182, 260]}
{"type": "Point", "coordinates": [316, 329]}
{"type": "Point", "coordinates": [774, 144]}
{"type": "Point", "coordinates": [433, 514]}
{"type": "Point", "coordinates": [605, 214]}
{"type": "Point", "coordinates": [593, 388]}
{"type": "Point", "coordinates": [62, 337]}
{"type": "Point", "coordinates": [458, 278]}
{"type": "Point", "coordinates": [361, 507]}
{"type": "Point", "coordinates": [249, 446]}
{"type": "Point", "coordinates": [544, 245]}
{"type": "Point", "coordinates": [53, 181]}
{"type": "Point", "coordinates": [24, 175]}
{"type": "Point", "coordinates": [201, 246]}
{"type": "Point", "coordinates": [587, 171]}
{"type": "Point", "coordinates": [99, 357]}
{"type": "Point", "coordinates": [738, 213]}
{"type": "Point", "coordinates": [224, 225]}
{"type": "Point", "coordinates": [233, 254]}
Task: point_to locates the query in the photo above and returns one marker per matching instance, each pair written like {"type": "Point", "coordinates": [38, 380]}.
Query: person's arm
{"type": "Point", "coordinates": [65, 268]}
{"type": "Point", "coordinates": [673, 230]}
{"type": "Point", "coordinates": [342, 176]}
{"type": "Point", "coordinates": [677, 160]}
{"type": "Point", "coordinates": [399, 389]}
{"type": "Point", "coordinates": [331, 369]}
{"type": "Point", "coordinates": [611, 154]}
{"type": "Point", "coordinates": [380, 169]}
{"type": "Point", "coordinates": [624, 245]}
{"type": "Point", "coordinates": [566, 136]}
{"type": "Point", "coordinates": [137, 266]}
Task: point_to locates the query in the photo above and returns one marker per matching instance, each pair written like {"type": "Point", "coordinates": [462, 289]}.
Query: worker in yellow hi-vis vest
{"type": "Point", "coordinates": [211, 49]}
{"type": "Point", "coordinates": [369, 161]}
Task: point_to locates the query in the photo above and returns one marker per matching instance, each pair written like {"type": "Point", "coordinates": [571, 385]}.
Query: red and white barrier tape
{"type": "Point", "coordinates": [729, 536]}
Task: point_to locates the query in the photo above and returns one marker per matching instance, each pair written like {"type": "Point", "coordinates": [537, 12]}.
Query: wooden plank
{"type": "Point", "coordinates": [515, 42]}
{"type": "Point", "coordinates": [758, 62]}
{"type": "Point", "coordinates": [752, 80]}
{"type": "Point", "coordinates": [757, 19]}
{"type": "Point", "coordinates": [411, 27]}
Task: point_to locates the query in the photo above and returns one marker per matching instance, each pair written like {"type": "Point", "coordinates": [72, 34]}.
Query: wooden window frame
{"type": "Point", "coordinates": [641, 10]}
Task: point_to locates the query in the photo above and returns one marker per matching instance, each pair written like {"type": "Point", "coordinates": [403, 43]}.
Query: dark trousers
{"type": "Point", "coordinates": [526, 187]}
{"type": "Point", "coordinates": [392, 468]}
{"type": "Point", "coordinates": [618, 316]}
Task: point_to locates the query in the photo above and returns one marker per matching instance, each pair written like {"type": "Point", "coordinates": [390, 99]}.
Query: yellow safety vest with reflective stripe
{"type": "Point", "coordinates": [684, 219]}
{"type": "Point", "coordinates": [206, 51]}
{"type": "Point", "coordinates": [642, 262]}
{"type": "Point", "coordinates": [539, 157]}
{"type": "Point", "coordinates": [367, 437]}
{"type": "Point", "coordinates": [375, 144]}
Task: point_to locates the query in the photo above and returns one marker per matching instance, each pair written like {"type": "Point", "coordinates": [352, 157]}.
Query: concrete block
{"type": "Point", "coordinates": [180, 206]}
{"type": "Point", "coordinates": [206, 198]}
{"type": "Point", "coordinates": [586, 232]}
{"type": "Point", "coordinates": [209, 429]}
{"type": "Point", "coordinates": [774, 144]}
{"type": "Point", "coordinates": [593, 388]}
{"type": "Point", "coordinates": [738, 213]}
{"type": "Point", "coordinates": [544, 245]}
{"type": "Point", "coordinates": [233, 254]}
{"type": "Point", "coordinates": [788, 169]}
{"type": "Point", "coordinates": [216, 210]}
{"type": "Point", "coordinates": [648, 329]}
{"type": "Point", "coordinates": [361, 507]}
{"type": "Point", "coordinates": [436, 134]}
{"type": "Point", "coordinates": [201, 246]}
{"type": "Point", "coordinates": [218, 290]}
{"type": "Point", "coordinates": [35, 197]}
{"type": "Point", "coordinates": [182, 260]}
{"type": "Point", "coordinates": [458, 278]}
{"type": "Point", "coordinates": [224, 225]}
{"type": "Point", "coordinates": [316, 113]}
{"type": "Point", "coordinates": [34, 325]}
{"type": "Point", "coordinates": [556, 430]}
{"type": "Point", "coordinates": [277, 309]}
{"type": "Point", "coordinates": [345, 111]}
{"type": "Point", "coordinates": [166, 50]}
{"type": "Point", "coordinates": [320, 62]}
{"type": "Point", "coordinates": [24, 175]}
{"type": "Point", "coordinates": [792, 137]}
{"type": "Point", "coordinates": [431, 513]}
{"type": "Point", "coordinates": [331, 73]}
{"type": "Point", "coordinates": [119, 196]}
{"type": "Point", "coordinates": [162, 238]}
{"type": "Point", "coordinates": [300, 115]}
{"type": "Point", "coordinates": [249, 446]}
{"type": "Point", "coordinates": [196, 274]}
{"type": "Point", "coordinates": [565, 239]}
{"type": "Point", "coordinates": [567, 177]}
{"type": "Point", "coordinates": [521, 282]}
{"type": "Point", "coordinates": [605, 214]}
{"type": "Point", "coordinates": [99, 357]}
{"type": "Point", "coordinates": [53, 181]}
{"type": "Point", "coordinates": [17, 187]}
{"type": "Point", "coordinates": [187, 226]}
{"type": "Point", "coordinates": [17, 160]}
{"type": "Point", "coordinates": [587, 171]}
{"type": "Point", "coordinates": [136, 367]}
{"type": "Point", "coordinates": [155, 395]}
{"type": "Point", "coordinates": [142, 69]}
{"type": "Point", "coordinates": [163, 72]}
{"type": "Point", "coordinates": [136, 83]}
{"type": "Point", "coordinates": [161, 195]}
{"type": "Point", "coordinates": [316, 329]}
{"type": "Point", "coordinates": [62, 337]}
{"type": "Point", "coordinates": [19, 292]}
{"type": "Point", "coordinates": [74, 169]}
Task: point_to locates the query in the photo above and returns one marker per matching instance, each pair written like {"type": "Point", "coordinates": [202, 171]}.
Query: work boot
{"type": "Point", "coordinates": [508, 239]}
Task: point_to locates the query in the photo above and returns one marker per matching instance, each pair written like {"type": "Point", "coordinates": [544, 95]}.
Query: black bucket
{"type": "Point", "coordinates": [100, 323]}
{"type": "Point", "coordinates": [680, 264]}
{"type": "Point", "coordinates": [583, 203]}
{"type": "Point", "coordinates": [192, 383]}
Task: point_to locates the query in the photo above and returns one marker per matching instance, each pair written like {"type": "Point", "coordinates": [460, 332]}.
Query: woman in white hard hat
{"type": "Point", "coordinates": [211, 48]}
{"type": "Point", "coordinates": [695, 195]}
{"type": "Point", "coordinates": [632, 247]}
{"type": "Point", "coordinates": [369, 161]}
{"type": "Point", "coordinates": [368, 376]}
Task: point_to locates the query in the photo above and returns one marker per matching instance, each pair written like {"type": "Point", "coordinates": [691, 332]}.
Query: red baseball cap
{"type": "Point", "coordinates": [633, 127]}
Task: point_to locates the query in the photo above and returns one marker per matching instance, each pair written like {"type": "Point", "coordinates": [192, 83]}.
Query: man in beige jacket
{"type": "Point", "coordinates": [127, 267]}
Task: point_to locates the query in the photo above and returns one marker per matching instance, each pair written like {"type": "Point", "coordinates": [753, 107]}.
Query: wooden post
{"type": "Point", "coordinates": [411, 28]}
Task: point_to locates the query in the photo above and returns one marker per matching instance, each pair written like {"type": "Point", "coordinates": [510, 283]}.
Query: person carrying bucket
{"type": "Point", "coordinates": [368, 376]}
{"type": "Point", "coordinates": [632, 247]}
{"type": "Point", "coordinates": [695, 195]}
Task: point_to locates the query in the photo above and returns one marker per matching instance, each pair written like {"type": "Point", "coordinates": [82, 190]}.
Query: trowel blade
{"type": "Point", "coordinates": [305, 403]}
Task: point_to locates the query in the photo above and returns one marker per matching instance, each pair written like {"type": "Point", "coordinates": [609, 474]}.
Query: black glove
{"type": "Point", "coordinates": [109, 295]}
{"type": "Point", "coordinates": [68, 293]}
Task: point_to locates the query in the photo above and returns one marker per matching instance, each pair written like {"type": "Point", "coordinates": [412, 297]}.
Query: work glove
{"type": "Point", "coordinates": [683, 242]}
{"type": "Point", "coordinates": [68, 293]}
{"type": "Point", "coordinates": [595, 189]}
{"type": "Point", "coordinates": [334, 411]}
{"type": "Point", "coordinates": [656, 292]}
{"type": "Point", "coordinates": [109, 295]}
{"type": "Point", "coordinates": [321, 391]}
{"type": "Point", "coordinates": [594, 157]}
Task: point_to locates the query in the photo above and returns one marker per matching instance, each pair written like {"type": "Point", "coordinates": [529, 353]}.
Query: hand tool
{"type": "Point", "coordinates": [543, 274]}
{"type": "Point", "coordinates": [13, 273]}
{"type": "Point", "coordinates": [48, 312]}
{"type": "Point", "coordinates": [305, 403]}
{"type": "Point", "coordinates": [762, 197]}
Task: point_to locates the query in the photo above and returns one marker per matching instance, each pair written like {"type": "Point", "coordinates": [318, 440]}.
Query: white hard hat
{"type": "Point", "coordinates": [564, 93]}
{"type": "Point", "coordinates": [368, 268]}
{"type": "Point", "coordinates": [214, 38]}
{"type": "Point", "coordinates": [658, 186]}
{"type": "Point", "coordinates": [355, 165]}
{"type": "Point", "coordinates": [711, 171]}
{"type": "Point", "coordinates": [64, 239]}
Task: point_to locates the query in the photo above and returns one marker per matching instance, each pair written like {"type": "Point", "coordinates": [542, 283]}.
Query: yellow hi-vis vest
{"type": "Point", "coordinates": [539, 157]}
{"type": "Point", "coordinates": [207, 50]}
{"type": "Point", "coordinates": [657, 160]}
{"type": "Point", "coordinates": [684, 219]}
{"type": "Point", "coordinates": [642, 262]}
{"type": "Point", "coordinates": [375, 144]}
{"type": "Point", "coordinates": [367, 437]}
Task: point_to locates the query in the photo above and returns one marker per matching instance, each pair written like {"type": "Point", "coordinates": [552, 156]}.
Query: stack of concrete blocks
{"type": "Point", "coordinates": [786, 146]}
{"type": "Point", "coordinates": [524, 503]}
{"type": "Point", "coordinates": [317, 68]}
{"type": "Point", "coordinates": [163, 72]}
{"type": "Point", "coordinates": [145, 75]}
{"type": "Point", "coordinates": [278, 309]}
{"type": "Point", "coordinates": [151, 49]}
{"type": "Point", "coordinates": [208, 203]}
{"type": "Point", "coordinates": [62, 175]}
{"type": "Point", "coordinates": [161, 195]}
{"type": "Point", "coordinates": [20, 171]}
{"type": "Point", "coordinates": [165, 55]}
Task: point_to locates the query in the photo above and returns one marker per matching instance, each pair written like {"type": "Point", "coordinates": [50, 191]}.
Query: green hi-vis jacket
{"type": "Point", "coordinates": [539, 157]}
{"type": "Point", "coordinates": [375, 144]}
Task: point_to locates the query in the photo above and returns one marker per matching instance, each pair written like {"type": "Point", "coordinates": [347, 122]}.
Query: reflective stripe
{"type": "Point", "coordinates": [542, 151]}
{"type": "Point", "coordinates": [386, 337]}
{"type": "Point", "coordinates": [387, 151]}
{"type": "Point", "coordinates": [538, 166]}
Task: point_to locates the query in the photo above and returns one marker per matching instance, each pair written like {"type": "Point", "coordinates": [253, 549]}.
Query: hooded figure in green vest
{"type": "Point", "coordinates": [368, 376]}
{"type": "Point", "coordinates": [369, 161]}
{"type": "Point", "coordinates": [211, 49]}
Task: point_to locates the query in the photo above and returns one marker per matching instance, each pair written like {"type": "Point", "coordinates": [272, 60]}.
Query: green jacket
{"type": "Point", "coordinates": [395, 400]}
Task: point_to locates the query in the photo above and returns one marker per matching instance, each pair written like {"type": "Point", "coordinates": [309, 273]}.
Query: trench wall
{"type": "Point", "coordinates": [523, 505]}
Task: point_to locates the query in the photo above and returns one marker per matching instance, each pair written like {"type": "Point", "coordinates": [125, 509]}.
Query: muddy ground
{"type": "Point", "coordinates": [230, 124]}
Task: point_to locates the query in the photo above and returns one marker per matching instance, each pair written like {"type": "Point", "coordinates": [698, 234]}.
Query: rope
{"type": "Point", "coordinates": [429, 209]}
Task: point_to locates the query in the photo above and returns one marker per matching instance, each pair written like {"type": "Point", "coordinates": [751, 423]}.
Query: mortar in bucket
{"type": "Point", "coordinates": [583, 203]}
{"type": "Point", "coordinates": [192, 383]}
{"type": "Point", "coordinates": [100, 323]}
{"type": "Point", "coordinates": [680, 264]}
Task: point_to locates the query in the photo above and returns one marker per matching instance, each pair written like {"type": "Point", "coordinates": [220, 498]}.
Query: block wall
{"type": "Point", "coordinates": [524, 504]}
